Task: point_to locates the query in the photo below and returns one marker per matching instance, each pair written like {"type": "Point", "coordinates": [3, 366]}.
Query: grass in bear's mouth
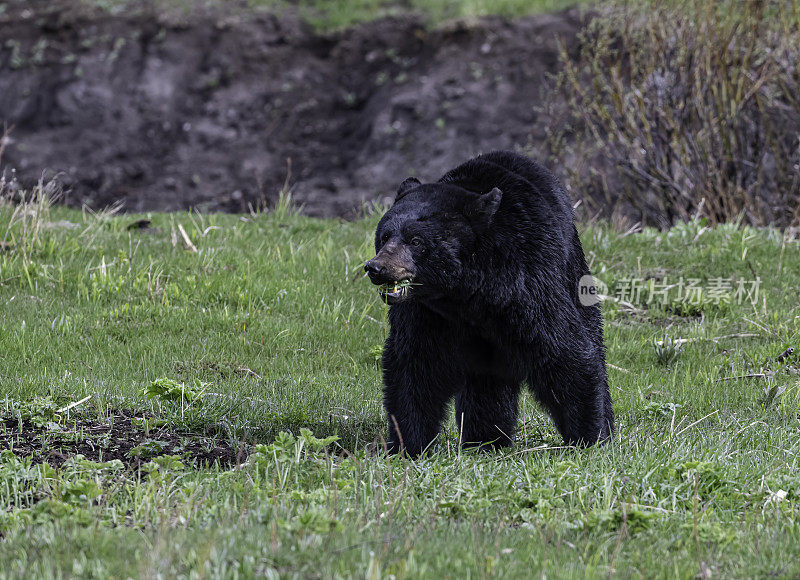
{"type": "Point", "coordinates": [396, 289]}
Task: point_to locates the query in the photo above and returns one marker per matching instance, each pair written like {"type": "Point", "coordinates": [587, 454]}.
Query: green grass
{"type": "Point", "coordinates": [328, 15]}
{"type": "Point", "coordinates": [702, 477]}
{"type": "Point", "coordinates": [337, 14]}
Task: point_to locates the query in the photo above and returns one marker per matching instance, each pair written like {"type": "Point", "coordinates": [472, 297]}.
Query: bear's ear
{"type": "Point", "coordinates": [406, 186]}
{"type": "Point", "coordinates": [486, 205]}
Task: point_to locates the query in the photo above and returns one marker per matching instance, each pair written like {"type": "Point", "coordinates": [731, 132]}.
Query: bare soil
{"type": "Point", "coordinates": [116, 437]}
{"type": "Point", "coordinates": [218, 111]}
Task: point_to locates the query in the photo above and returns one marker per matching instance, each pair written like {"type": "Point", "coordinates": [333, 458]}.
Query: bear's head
{"type": "Point", "coordinates": [424, 240]}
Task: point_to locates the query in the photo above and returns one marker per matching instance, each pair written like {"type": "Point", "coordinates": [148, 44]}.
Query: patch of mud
{"type": "Point", "coordinates": [122, 436]}
{"type": "Point", "coordinates": [216, 113]}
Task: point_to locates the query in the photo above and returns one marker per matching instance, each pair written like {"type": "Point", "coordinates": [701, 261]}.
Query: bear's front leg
{"type": "Point", "coordinates": [486, 412]}
{"type": "Point", "coordinates": [415, 410]}
{"type": "Point", "coordinates": [417, 389]}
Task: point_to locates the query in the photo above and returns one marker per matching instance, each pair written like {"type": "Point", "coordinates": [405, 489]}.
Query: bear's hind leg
{"type": "Point", "coordinates": [486, 412]}
{"type": "Point", "coordinates": [577, 398]}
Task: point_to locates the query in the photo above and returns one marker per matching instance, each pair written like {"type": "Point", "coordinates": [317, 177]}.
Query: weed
{"type": "Point", "coordinates": [667, 350]}
{"type": "Point", "coordinates": [27, 212]}
{"type": "Point", "coordinates": [148, 449]}
{"type": "Point", "coordinates": [772, 394]}
{"type": "Point", "coordinates": [169, 390]}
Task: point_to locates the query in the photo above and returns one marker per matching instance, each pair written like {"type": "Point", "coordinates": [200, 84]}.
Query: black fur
{"type": "Point", "coordinates": [494, 260]}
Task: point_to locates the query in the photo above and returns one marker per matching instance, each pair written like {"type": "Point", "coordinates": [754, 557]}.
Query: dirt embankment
{"type": "Point", "coordinates": [205, 113]}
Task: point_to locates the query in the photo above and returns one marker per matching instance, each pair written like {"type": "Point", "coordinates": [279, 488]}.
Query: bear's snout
{"type": "Point", "coordinates": [388, 267]}
{"type": "Point", "coordinates": [382, 271]}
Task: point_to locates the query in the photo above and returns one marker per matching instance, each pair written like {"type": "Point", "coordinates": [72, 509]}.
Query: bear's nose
{"type": "Point", "coordinates": [374, 269]}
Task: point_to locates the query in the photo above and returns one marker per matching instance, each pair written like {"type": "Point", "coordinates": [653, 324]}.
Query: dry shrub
{"type": "Point", "coordinates": [688, 109]}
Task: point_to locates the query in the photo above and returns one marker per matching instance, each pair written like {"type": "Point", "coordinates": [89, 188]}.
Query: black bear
{"type": "Point", "coordinates": [482, 271]}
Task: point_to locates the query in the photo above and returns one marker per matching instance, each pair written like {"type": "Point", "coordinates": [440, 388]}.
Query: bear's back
{"type": "Point", "coordinates": [523, 180]}
{"type": "Point", "coordinates": [534, 201]}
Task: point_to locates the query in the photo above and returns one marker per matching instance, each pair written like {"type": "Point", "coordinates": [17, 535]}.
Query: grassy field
{"type": "Point", "coordinates": [328, 15]}
{"type": "Point", "coordinates": [269, 328]}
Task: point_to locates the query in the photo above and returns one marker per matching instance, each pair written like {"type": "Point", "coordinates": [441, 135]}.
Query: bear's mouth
{"type": "Point", "coordinates": [394, 292]}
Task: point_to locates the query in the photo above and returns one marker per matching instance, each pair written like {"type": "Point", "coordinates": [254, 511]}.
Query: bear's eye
{"type": "Point", "coordinates": [416, 241]}
{"type": "Point", "coordinates": [384, 238]}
